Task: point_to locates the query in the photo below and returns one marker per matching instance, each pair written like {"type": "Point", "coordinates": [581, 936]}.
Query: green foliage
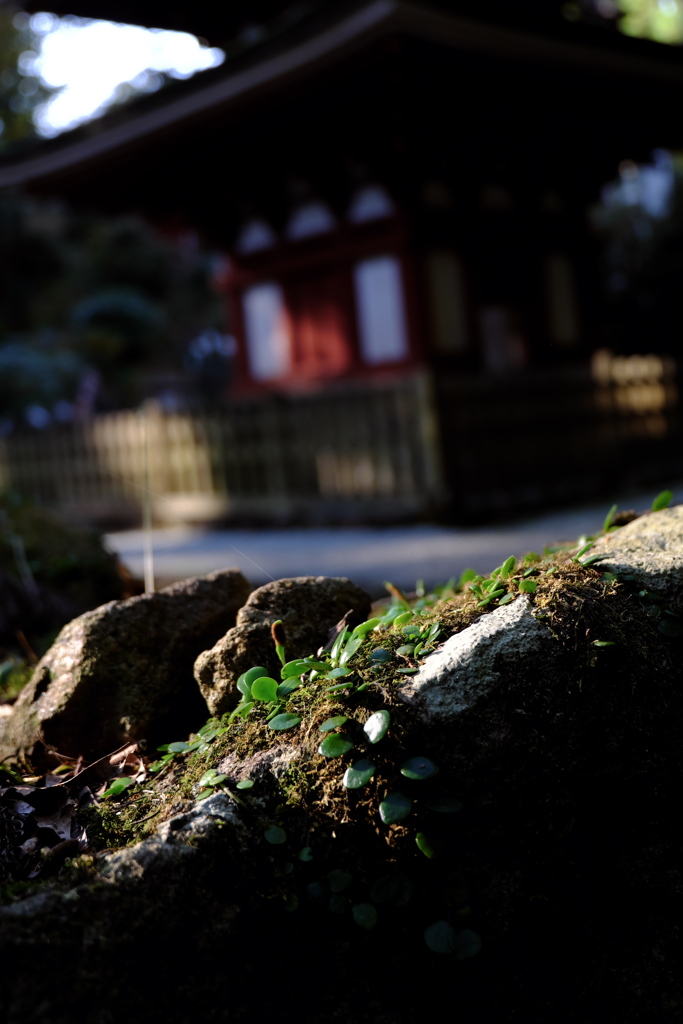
{"type": "Point", "coordinates": [395, 807]}
{"type": "Point", "coordinates": [339, 880]}
{"type": "Point", "coordinates": [663, 500]}
{"type": "Point", "coordinates": [264, 689]}
{"type": "Point", "coordinates": [281, 723]}
{"type": "Point", "coordinates": [359, 774]}
{"type": "Point", "coordinates": [441, 937]}
{"type": "Point", "coordinates": [365, 915]}
{"type": "Point", "coordinates": [335, 745]}
{"type": "Point", "coordinates": [14, 675]}
{"type": "Point", "coordinates": [20, 91]}
{"type": "Point", "coordinates": [607, 525]}
{"type": "Point", "coordinates": [377, 726]}
{"type": "Point", "coordinates": [419, 768]}
{"type": "Point", "coordinates": [444, 804]}
{"type": "Point", "coordinates": [38, 550]}
{"type": "Point", "coordinates": [117, 787]}
{"type": "Point", "coordinates": [84, 293]}
{"type": "Point", "coordinates": [333, 723]}
{"type": "Point", "coordinates": [426, 846]}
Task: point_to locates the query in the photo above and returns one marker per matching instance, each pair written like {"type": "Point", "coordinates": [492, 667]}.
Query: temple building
{"type": "Point", "coordinates": [400, 193]}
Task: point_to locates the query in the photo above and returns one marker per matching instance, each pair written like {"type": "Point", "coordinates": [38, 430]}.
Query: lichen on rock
{"type": "Point", "coordinates": [650, 548]}
{"type": "Point", "coordinates": [479, 659]}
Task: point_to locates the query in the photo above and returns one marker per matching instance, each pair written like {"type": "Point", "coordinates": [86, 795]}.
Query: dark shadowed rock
{"type": "Point", "coordinates": [308, 605]}
{"type": "Point", "coordinates": [124, 671]}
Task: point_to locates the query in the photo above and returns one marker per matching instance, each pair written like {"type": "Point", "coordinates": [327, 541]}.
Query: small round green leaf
{"type": "Point", "coordinates": [315, 890]}
{"type": "Point", "coordinates": [339, 880]}
{"type": "Point", "coordinates": [364, 914]}
{"type": "Point", "coordinates": [245, 784]}
{"type": "Point", "coordinates": [178, 748]}
{"type": "Point", "coordinates": [291, 902]}
{"type": "Point", "coordinates": [335, 745]}
{"type": "Point", "coordinates": [282, 722]}
{"type": "Point", "coordinates": [264, 688]}
{"type": "Point", "coordinates": [359, 774]}
{"type": "Point", "coordinates": [419, 768]}
{"type": "Point", "coordinates": [427, 847]}
{"type": "Point", "coordinates": [395, 888]}
{"type": "Point", "coordinates": [528, 586]}
{"type": "Point", "coordinates": [406, 650]}
{"type": "Point", "coordinates": [332, 723]}
{"type": "Point", "coordinates": [377, 726]}
{"type": "Point", "coordinates": [444, 804]}
{"type": "Point", "coordinates": [275, 835]}
{"type": "Point", "coordinates": [669, 627]}
{"type": "Point", "coordinates": [395, 807]}
{"type": "Point", "coordinates": [469, 944]}
{"type": "Point", "coordinates": [257, 672]}
{"type": "Point", "coordinates": [380, 656]}
{"type": "Point", "coordinates": [386, 889]}
{"type": "Point", "coordinates": [306, 853]}
{"type": "Point", "coordinates": [441, 937]}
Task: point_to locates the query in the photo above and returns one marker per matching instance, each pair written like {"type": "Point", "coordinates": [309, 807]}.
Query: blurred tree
{"type": "Point", "coordinates": [20, 91]}
{"type": "Point", "coordinates": [660, 20]}
{"type": "Point", "coordinates": [87, 301]}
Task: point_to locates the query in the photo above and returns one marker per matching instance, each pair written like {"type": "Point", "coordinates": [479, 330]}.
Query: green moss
{"type": "Point", "coordinates": [14, 675]}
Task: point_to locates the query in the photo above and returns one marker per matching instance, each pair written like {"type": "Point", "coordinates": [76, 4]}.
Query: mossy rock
{"type": "Point", "coordinates": [538, 873]}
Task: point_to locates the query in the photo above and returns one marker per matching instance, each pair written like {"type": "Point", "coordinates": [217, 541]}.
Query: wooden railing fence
{"type": "Point", "coordinates": [350, 452]}
{"type": "Point", "coordinates": [473, 444]}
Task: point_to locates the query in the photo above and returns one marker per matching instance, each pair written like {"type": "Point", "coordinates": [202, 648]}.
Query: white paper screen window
{"type": "Point", "coordinates": [267, 331]}
{"type": "Point", "coordinates": [380, 309]}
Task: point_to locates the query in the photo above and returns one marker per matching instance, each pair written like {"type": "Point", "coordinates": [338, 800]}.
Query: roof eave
{"type": "Point", "coordinates": [333, 43]}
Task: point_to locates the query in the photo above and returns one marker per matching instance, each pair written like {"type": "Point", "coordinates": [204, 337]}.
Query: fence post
{"type": "Point", "coordinates": [430, 437]}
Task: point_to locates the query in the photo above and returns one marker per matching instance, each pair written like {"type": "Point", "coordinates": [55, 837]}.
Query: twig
{"type": "Point", "coordinates": [26, 647]}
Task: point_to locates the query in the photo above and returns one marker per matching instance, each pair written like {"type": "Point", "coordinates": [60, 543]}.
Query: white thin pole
{"type": "Point", "coordinates": [148, 558]}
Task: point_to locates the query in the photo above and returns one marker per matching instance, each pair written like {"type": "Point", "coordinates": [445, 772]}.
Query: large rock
{"type": "Point", "coordinates": [550, 830]}
{"type": "Point", "coordinates": [124, 671]}
{"type": "Point", "coordinates": [309, 607]}
{"type": "Point", "coordinates": [650, 549]}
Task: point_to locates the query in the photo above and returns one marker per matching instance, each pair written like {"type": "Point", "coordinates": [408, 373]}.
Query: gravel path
{"type": "Point", "coordinates": [368, 555]}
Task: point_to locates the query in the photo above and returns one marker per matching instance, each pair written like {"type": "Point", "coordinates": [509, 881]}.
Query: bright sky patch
{"type": "Point", "coordinates": [96, 63]}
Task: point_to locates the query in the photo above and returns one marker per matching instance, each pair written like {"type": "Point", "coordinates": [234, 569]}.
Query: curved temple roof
{"type": "Point", "coordinates": [269, 67]}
